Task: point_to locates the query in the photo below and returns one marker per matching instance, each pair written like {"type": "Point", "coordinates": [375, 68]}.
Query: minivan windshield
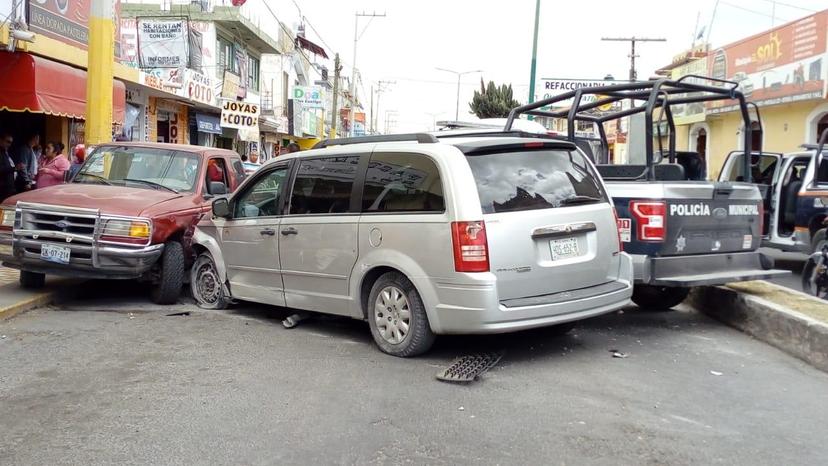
{"type": "Point", "coordinates": [140, 167]}
{"type": "Point", "coordinates": [529, 180]}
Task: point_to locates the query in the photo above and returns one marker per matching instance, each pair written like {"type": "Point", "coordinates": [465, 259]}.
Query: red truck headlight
{"type": "Point", "coordinates": [130, 231]}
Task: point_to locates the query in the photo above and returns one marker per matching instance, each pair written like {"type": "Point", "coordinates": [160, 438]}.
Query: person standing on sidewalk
{"type": "Point", "coordinates": [53, 166]}
{"type": "Point", "coordinates": [25, 158]}
{"type": "Point", "coordinates": [8, 170]}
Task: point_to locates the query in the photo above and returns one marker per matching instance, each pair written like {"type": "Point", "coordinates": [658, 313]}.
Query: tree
{"type": "Point", "coordinates": [493, 101]}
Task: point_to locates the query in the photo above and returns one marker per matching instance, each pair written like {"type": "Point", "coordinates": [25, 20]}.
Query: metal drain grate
{"type": "Point", "coordinates": [467, 368]}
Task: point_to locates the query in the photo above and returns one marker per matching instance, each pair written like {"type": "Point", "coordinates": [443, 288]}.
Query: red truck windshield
{"type": "Point", "coordinates": [141, 168]}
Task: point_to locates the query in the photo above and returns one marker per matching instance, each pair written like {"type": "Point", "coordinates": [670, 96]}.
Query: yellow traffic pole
{"type": "Point", "coordinates": [99, 73]}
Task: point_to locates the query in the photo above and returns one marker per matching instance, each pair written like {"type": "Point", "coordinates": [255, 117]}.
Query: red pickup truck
{"type": "Point", "coordinates": [127, 214]}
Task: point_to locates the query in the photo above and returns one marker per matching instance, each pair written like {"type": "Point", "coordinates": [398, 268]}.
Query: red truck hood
{"type": "Point", "coordinates": [116, 200]}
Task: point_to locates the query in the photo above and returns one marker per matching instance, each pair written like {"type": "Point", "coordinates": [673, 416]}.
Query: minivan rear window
{"type": "Point", "coordinates": [530, 180]}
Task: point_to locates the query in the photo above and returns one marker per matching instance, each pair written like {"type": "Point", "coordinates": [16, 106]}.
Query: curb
{"type": "Point", "coordinates": [32, 302]}
{"type": "Point", "coordinates": [792, 332]}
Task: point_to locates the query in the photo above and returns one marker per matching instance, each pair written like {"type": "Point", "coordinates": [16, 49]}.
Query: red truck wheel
{"type": "Point", "coordinates": [170, 278]}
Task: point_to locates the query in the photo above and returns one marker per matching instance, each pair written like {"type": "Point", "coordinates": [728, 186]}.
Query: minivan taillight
{"type": "Point", "coordinates": [471, 250]}
{"type": "Point", "coordinates": [650, 218]}
{"type": "Point", "coordinates": [618, 229]}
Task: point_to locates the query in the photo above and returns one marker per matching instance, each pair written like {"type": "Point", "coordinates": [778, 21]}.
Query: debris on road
{"type": "Point", "coordinates": [468, 368]}
{"type": "Point", "coordinates": [179, 314]}
{"type": "Point", "coordinates": [716, 373]}
{"type": "Point", "coordinates": [293, 320]}
{"type": "Point", "coordinates": [461, 409]}
{"type": "Point", "coordinates": [618, 354]}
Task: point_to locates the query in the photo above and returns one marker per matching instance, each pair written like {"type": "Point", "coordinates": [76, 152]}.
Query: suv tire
{"type": "Point", "coordinates": [397, 317]}
{"type": "Point", "coordinates": [651, 298]}
{"type": "Point", "coordinates": [205, 285]}
{"type": "Point", "coordinates": [170, 279]}
{"type": "Point", "coordinates": [32, 280]}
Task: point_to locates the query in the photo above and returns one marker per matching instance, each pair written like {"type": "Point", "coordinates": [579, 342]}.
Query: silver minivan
{"type": "Point", "coordinates": [420, 236]}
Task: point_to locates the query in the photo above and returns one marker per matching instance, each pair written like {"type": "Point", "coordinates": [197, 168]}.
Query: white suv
{"type": "Point", "coordinates": [420, 236]}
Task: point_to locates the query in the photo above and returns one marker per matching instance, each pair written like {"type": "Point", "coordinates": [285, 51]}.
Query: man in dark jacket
{"type": "Point", "coordinates": [7, 167]}
{"type": "Point", "coordinates": [25, 155]}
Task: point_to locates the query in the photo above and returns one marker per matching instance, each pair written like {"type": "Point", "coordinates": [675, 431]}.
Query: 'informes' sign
{"type": "Point", "coordinates": [163, 43]}
{"type": "Point", "coordinates": [239, 115]}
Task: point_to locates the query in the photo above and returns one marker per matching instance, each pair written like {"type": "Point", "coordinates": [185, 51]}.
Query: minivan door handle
{"type": "Point", "coordinates": [290, 231]}
{"type": "Point", "coordinates": [268, 232]}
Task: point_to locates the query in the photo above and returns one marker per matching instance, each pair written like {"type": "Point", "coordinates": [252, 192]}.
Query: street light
{"type": "Point", "coordinates": [357, 36]}
{"type": "Point", "coordinates": [459, 75]}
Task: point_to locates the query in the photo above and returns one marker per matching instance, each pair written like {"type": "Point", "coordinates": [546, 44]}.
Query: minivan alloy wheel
{"type": "Point", "coordinates": [207, 283]}
{"type": "Point", "coordinates": [392, 314]}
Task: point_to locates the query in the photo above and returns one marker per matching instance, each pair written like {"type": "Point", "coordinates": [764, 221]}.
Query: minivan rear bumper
{"type": "Point", "coordinates": [704, 269]}
{"type": "Point", "coordinates": [477, 309]}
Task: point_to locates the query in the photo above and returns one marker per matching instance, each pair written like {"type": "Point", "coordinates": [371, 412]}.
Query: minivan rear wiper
{"type": "Point", "coordinates": [574, 200]}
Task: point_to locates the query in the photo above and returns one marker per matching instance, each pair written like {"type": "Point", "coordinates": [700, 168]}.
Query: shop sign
{"type": "Point", "coordinates": [150, 80]}
{"type": "Point", "coordinates": [548, 88]}
{"type": "Point", "coordinates": [786, 64]}
{"type": "Point", "coordinates": [199, 87]}
{"type": "Point", "coordinates": [309, 96]}
{"type": "Point", "coordinates": [163, 43]}
{"type": "Point", "coordinates": [230, 87]}
{"type": "Point", "coordinates": [240, 115]}
{"type": "Point", "coordinates": [175, 126]}
{"type": "Point", "coordinates": [136, 96]}
{"type": "Point", "coordinates": [686, 114]}
{"type": "Point", "coordinates": [66, 21]}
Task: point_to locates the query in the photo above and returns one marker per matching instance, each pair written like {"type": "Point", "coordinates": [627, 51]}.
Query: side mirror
{"type": "Point", "coordinates": [221, 207]}
{"type": "Point", "coordinates": [217, 188]}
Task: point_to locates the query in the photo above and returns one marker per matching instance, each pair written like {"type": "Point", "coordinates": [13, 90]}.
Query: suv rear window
{"type": "Point", "coordinates": [529, 180]}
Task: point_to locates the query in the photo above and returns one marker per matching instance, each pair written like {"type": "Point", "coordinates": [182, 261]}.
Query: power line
{"type": "Point", "coordinates": [756, 12]}
{"type": "Point", "coordinates": [797, 7]}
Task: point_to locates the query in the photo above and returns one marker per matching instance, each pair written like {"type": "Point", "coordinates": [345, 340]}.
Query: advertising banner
{"type": "Point", "coordinates": [230, 86]}
{"type": "Point", "coordinates": [553, 87]}
{"type": "Point", "coordinates": [783, 65]}
{"type": "Point", "coordinates": [199, 87]}
{"type": "Point", "coordinates": [163, 43]}
{"type": "Point", "coordinates": [686, 114]}
{"type": "Point", "coordinates": [66, 21]}
{"type": "Point", "coordinates": [239, 115]}
{"type": "Point", "coordinates": [309, 96]}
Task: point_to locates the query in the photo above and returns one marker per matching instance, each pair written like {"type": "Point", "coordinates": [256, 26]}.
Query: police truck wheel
{"type": "Point", "coordinates": [652, 298]}
{"type": "Point", "coordinates": [397, 317]}
{"type": "Point", "coordinates": [32, 280]}
{"type": "Point", "coordinates": [170, 277]}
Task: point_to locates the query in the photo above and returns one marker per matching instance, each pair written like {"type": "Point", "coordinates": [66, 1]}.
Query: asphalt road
{"type": "Point", "coordinates": [114, 380]}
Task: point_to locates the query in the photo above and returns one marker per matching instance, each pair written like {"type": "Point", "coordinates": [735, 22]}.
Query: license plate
{"type": "Point", "coordinates": [53, 253]}
{"type": "Point", "coordinates": [564, 248]}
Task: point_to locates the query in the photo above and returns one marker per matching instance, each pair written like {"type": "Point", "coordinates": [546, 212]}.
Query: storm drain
{"type": "Point", "coordinates": [468, 368]}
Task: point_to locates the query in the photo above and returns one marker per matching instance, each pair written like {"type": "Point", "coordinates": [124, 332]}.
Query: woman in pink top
{"type": "Point", "coordinates": [52, 166]}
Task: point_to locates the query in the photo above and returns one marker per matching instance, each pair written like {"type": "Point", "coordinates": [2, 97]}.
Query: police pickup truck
{"type": "Point", "coordinates": [681, 232]}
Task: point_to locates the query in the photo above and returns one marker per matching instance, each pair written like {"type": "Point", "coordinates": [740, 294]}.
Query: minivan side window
{"type": "Point", "coordinates": [261, 198]}
{"type": "Point", "coordinates": [402, 183]}
{"type": "Point", "coordinates": [324, 185]}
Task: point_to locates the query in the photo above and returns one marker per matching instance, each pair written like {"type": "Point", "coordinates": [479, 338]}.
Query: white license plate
{"type": "Point", "coordinates": [564, 248]}
{"type": "Point", "coordinates": [53, 253]}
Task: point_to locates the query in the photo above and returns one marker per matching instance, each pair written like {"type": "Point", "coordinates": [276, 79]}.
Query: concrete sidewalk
{"type": "Point", "coordinates": [14, 299]}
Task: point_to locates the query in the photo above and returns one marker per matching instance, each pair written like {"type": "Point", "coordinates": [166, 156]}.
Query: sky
{"type": "Point", "coordinates": [416, 37]}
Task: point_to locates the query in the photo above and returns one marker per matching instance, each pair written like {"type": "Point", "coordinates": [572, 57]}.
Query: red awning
{"type": "Point", "coordinates": [29, 83]}
{"type": "Point", "coordinates": [308, 45]}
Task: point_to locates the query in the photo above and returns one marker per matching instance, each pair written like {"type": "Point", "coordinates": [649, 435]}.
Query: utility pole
{"type": "Point", "coordinates": [335, 112]}
{"type": "Point", "coordinates": [534, 67]}
{"type": "Point", "coordinates": [632, 55]}
{"type": "Point", "coordinates": [371, 113]}
{"type": "Point", "coordinates": [381, 87]}
{"type": "Point", "coordinates": [459, 75]}
{"type": "Point", "coordinates": [99, 66]}
{"type": "Point", "coordinates": [354, 64]}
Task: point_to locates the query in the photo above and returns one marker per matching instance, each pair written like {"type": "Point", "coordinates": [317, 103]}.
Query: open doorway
{"type": "Point", "coordinates": [755, 136]}
{"type": "Point", "coordinates": [822, 125]}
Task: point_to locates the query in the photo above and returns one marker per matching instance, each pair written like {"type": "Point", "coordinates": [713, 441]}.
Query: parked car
{"type": "Point", "coordinates": [796, 205]}
{"type": "Point", "coordinates": [420, 237]}
{"type": "Point", "coordinates": [129, 213]}
{"type": "Point", "coordinates": [681, 230]}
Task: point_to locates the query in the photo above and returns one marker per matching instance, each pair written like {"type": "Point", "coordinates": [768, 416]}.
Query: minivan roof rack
{"type": "Point", "coordinates": [422, 138]}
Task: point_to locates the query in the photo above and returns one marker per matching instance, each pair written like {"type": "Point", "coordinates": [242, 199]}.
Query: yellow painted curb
{"type": "Point", "coordinates": [40, 299]}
